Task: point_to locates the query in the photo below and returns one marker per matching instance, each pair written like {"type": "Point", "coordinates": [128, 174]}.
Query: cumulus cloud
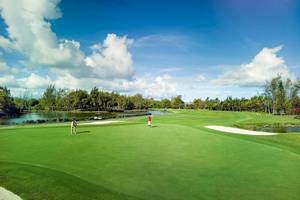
{"type": "Point", "coordinates": [200, 77]}
{"type": "Point", "coordinates": [6, 69]}
{"type": "Point", "coordinates": [8, 80]}
{"type": "Point", "coordinates": [264, 66]}
{"type": "Point", "coordinates": [112, 58]}
{"type": "Point", "coordinates": [29, 33]}
{"type": "Point", "coordinates": [109, 66]}
{"type": "Point", "coordinates": [157, 87]}
{"type": "Point", "coordinates": [151, 86]}
{"type": "Point", "coordinates": [35, 81]}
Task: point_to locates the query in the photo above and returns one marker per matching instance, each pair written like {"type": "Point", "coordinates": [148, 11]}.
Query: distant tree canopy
{"type": "Point", "coordinates": [255, 103]}
{"type": "Point", "coordinates": [177, 102]}
{"type": "Point", "coordinates": [95, 100]}
{"type": "Point", "coordinates": [7, 105]}
{"type": "Point", "coordinates": [49, 98]}
{"type": "Point", "coordinates": [280, 96]}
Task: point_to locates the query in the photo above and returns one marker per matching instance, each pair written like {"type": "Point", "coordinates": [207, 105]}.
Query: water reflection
{"type": "Point", "coordinates": [280, 129]}
{"type": "Point", "coordinates": [42, 117]}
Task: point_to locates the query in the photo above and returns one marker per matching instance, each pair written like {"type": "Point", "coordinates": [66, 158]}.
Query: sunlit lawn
{"type": "Point", "coordinates": [176, 159]}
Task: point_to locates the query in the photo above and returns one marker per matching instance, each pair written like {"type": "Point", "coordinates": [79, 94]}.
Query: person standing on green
{"type": "Point", "coordinates": [149, 119]}
{"type": "Point", "coordinates": [73, 127]}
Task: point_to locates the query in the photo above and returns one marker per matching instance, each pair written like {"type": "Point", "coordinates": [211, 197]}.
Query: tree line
{"type": "Point", "coordinates": [99, 100]}
{"type": "Point", "coordinates": [279, 97]}
{"type": "Point", "coordinates": [282, 96]}
{"type": "Point", "coordinates": [54, 99]}
{"type": "Point", "coordinates": [7, 104]}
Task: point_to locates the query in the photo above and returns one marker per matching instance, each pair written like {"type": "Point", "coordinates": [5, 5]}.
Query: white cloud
{"type": "Point", "coordinates": [109, 66]}
{"type": "Point", "coordinates": [111, 59]}
{"type": "Point", "coordinates": [35, 81]}
{"type": "Point", "coordinates": [200, 77]}
{"type": "Point", "coordinates": [29, 33]}
{"type": "Point", "coordinates": [8, 81]}
{"type": "Point", "coordinates": [158, 87]}
{"type": "Point", "coordinates": [163, 86]}
{"type": "Point", "coordinates": [264, 66]}
{"type": "Point", "coordinates": [6, 69]}
{"type": "Point", "coordinates": [155, 87]}
{"type": "Point", "coordinates": [154, 40]}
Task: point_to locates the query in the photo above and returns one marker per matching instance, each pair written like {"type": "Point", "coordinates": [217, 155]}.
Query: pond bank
{"type": "Point", "coordinates": [55, 117]}
{"type": "Point", "coordinates": [276, 128]}
{"type": "Point", "coordinates": [60, 116]}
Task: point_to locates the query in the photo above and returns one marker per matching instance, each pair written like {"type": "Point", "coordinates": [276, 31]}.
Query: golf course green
{"type": "Point", "coordinates": [178, 158]}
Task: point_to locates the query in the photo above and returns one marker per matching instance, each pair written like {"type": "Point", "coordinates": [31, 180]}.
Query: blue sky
{"type": "Point", "coordinates": [213, 48]}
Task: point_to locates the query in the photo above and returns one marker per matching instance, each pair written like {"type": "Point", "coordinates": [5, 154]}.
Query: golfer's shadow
{"type": "Point", "coordinates": [81, 132]}
{"type": "Point", "coordinates": [154, 126]}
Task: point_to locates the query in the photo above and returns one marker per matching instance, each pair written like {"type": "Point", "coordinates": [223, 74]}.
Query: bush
{"type": "Point", "coordinates": [296, 111]}
{"type": "Point", "coordinates": [30, 122]}
{"type": "Point", "coordinates": [40, 121]}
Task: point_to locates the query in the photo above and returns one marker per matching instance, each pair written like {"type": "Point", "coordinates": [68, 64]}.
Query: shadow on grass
{"type": "Point", "coordinates": [81, 132]}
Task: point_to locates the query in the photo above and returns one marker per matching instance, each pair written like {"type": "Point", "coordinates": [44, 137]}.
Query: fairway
{"type": "Point", "coordinates": [178, 158]}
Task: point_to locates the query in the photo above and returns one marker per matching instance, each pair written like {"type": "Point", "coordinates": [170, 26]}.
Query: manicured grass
{"type": "Point", "coordinates": [176, 159]}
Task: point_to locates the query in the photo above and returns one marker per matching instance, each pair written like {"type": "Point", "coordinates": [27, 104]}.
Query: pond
{"type": "Point", "coordinates": [157, 112]}
{"type": "Point", "coordinates": [277, 128]}
{"type": "Point", "coordinates": [43, 117]}
{"type": "Point", "coordinates": [281, 129]}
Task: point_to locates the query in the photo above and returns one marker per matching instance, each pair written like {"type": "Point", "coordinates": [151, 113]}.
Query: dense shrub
{"type": "Point", "coordinates": [296, 111]}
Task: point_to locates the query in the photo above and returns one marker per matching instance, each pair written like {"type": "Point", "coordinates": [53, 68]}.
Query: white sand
{"type": "Point", "coordinates": [8, 195]}
{"type": "Point", "coordinates": [100, 122]}
{"type": "Point", "coordinates": [238, 130]}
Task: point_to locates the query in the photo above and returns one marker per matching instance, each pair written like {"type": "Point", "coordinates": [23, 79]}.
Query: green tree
{"type": "Point", "coordinates": [48, 100]}
{"type": "Point", "coordinates": [280, 99]}
{"type": "Point", "coordinates": [94, 98]}
{"type": "Point", "coordinates": [281, 94]}
{"type": "Point", "coordinates": [62, 99]}
{"type": "Point", "coordinates": [294, 95]}
{"type": "Point", "coordinates": [177, 102]}
{"type": "Point", "coordinates": [165, 103]}
{"type": "Point", "coordinates": [78, 99]}
{"type": "Point", "coordinates": [7, 105]}
{"type": "Point", "coordinates": [138, 101]}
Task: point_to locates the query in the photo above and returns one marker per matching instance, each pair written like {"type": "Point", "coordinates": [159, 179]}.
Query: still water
{"type": "Point", "coordinates": [42, 117]}
{"type": "Point", "coordinates": [282, 129]}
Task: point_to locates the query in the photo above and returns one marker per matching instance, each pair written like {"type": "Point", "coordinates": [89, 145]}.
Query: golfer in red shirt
{"type": "Point", "coordinates": [149, 119]}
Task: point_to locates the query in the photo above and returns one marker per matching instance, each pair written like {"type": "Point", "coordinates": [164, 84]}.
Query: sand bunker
{"type": "Point", "coordinates": [100, 122]}
{"type": "Point", "coordinates": [238, 130]}
{"type": "Point", "coordinates": [8, 195]}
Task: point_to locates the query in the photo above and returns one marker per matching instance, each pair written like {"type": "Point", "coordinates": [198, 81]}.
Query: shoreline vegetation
{"type": "Point", "coordinates": [271, 127]}
{"type": "Point", "coordinates": [279, 97]}
{"type": "Point", "coordinates": [42, 117]}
